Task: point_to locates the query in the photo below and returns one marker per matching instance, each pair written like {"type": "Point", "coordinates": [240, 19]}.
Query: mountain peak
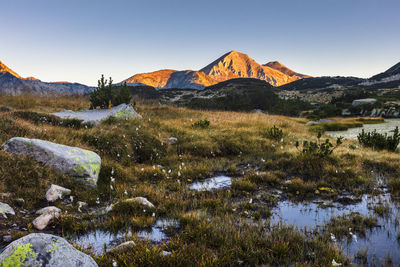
{"type": "Point", "coordinates": [4, 68]}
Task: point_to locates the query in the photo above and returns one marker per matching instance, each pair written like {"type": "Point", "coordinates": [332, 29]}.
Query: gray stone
{"type": "Point", "coordinates": [95, 116]}
{"type": "Point", "coordinates": [122, 246]}
{"type": "Point", "coordinates": [140, 200]}
{"type": "Point", "coordinates": [6, 209]}
{"type": "Point", "coordinates": [80, 163]}
{"type": "Point", "coordinates": [81, 205]}
{"type": "Point", "coordinates": [56, 192]}
{"type": "Point", "coordinates": [49, 209]}
{"type": "Point", "coordinates": [364, 101]}
{"type": "Point", "coordinates": [46, 217]}
{"type": "Point", "coordinates": [171, 140]}
{"type": "Point", "coordinates": [7, 238]}
{"type": "Point", "coordinates": [44, 250]}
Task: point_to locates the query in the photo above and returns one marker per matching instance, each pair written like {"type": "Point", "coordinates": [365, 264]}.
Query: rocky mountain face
{"type": "Point", "coordinates": [13, 84]}
{"type": "Point", "coordinates": [189, 79]}
{"type": "Point", "coordinates": [282, 68]}
{"type": "Point", "coordinates": [157, 79]}
{"type": "Point", "coordinates": [231, 65]}
{"type": "Point", "coordinates": [387, 79]}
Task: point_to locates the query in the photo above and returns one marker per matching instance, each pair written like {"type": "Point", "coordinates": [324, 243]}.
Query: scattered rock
{"type": "Point", "coordinates": [166, 253]}
{"type": "Point", "coordinates": [6, 209]}
{"type": "Point", "coordinates": [81, 205]}
{"type": "Point", "coordinates": [140, 200]}
{"type": "Point", "coordinates": [171, 140]}
{"type": "Point", "coordinates": [49, 209]}
{"type": "Point", "coordinates": [7, 238]}
{"type": "Point", "coordinates": [80, 163]}
{"type": "Point", "coordinates": [122, 246]}
{"type": "Point", "coordinates": [95, 116]}
{"type": "Point", "coordinates": [47, 215]}
{"type": "Point", "coordinates": [44, 250]}
{"type": "Point", "coordinates": [56, 192]}
{"type": "Point", "coordinates": [19, 202]}
{"type": "Point", "coordinates": [5, 194]}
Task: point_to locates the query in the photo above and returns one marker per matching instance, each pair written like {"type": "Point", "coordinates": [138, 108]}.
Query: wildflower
{"type": "Point", "coordinates": [126, 193]}
{"type": "Point", "coordinates": [333, 238]}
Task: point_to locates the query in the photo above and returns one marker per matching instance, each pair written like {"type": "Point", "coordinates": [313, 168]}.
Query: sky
{"type": "Point", "coordinates": [78, 40]}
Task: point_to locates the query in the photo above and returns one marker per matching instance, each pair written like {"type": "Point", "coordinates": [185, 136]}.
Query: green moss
{"type": "Point", "coordinates": [19, 256]}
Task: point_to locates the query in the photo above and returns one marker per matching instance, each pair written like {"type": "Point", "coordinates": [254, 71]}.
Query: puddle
{"type": "Point", "coordinates": [380, 241]}
{"type": "Point", "coordinates": [99, 240]}
{"type": "Point", "coordinates": [217, 182]}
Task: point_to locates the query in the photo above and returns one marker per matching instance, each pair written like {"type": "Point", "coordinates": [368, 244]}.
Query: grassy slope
{"type": "Point", "coordinates": [214, 225]}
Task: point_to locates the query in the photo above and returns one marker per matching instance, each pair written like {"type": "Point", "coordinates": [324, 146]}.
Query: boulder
{"type": "Point", "coordinates": [6, 209]}
{"type": "Point", "coordinates": [95, 116]}
{"type": "Point", "coordinates": [80, 163]}
{"type": "Point", "coordinates": [44, 250]}
{"type": "Point", "coordinates": [56, 192]}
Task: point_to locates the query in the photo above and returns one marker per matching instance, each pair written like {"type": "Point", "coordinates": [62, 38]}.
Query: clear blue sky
{"type": "Point", "coordinates": [78, 40]}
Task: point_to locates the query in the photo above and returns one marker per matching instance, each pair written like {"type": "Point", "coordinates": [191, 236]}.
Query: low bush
{"type": "Point", "coordinates": [380, 141]}
{"type": "Point", "coordinates": [320, 149]}
{"type": "Point", "coordinates": [205, 123]}
{"type": "Point", "coordinates": [274, 133]}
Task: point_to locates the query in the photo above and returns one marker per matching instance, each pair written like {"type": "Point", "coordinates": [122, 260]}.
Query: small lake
{"type": "Point", "coordinates": [352, 133]}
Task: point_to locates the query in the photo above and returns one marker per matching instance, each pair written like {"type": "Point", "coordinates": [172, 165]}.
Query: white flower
{"type": "Point", "coordinates": [115, 264]}
{"type": "Point", "coordinates": [126, 193]}
{"type": "Point", "coordinates": [334, 263]}
{"type": "Point", "coordinates": [333, 238]}
{"type": "Point", "coordinates": [111, 187]}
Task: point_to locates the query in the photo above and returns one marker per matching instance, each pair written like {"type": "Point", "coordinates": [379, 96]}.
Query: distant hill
{"type": "Point", "coordinates": [229, 66]}
{"type": "Point", "coordinates": [325, 82]}
{"type": "Point", "coordinates": [13, 84]}
{"type": "Point", "coordinates": [387, 79]}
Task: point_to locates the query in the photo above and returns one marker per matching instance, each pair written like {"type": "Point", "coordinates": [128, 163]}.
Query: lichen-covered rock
{"type": "Point", "coordinates": [6, 209]}
{"type": "Point", "coordinates": [80, 163]}
{"type": "Point", "coordinates": [95, 116]}
{"type": "Point", "coordinates": [56, 192]}
{"type": "Point", "coordinates": [44, 250]}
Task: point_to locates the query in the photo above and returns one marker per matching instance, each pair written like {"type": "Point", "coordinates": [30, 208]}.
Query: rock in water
{"type": "Point", "coordinates": [44, 250]}
{"type": "Point", "coordinates": [95, 116]}
{"type": "Point", "coordinates": [78, 162]}
{"type": "Point", "coordinates": [56, 192]}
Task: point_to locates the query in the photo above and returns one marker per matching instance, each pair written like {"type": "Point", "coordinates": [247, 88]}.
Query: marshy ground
{"type": "Point", "coordinates": [260, 216]}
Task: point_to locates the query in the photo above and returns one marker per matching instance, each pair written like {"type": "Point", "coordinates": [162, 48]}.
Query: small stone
{"type": "Point", "coordinates": [81, 205]}
{"type": "Point", "coordinates": [47, 215]}
{"type": "Point", "coordinates": [6, 209]}
{"type": "Point", "coordinates": [56, 192]}
{"type": "Point", "coordinates": [166, 253]}
{"type": "Point", "coordinates": [140, 200]}
{"type": "Point", "coordinates": [171, 140]}
{"type": "Point", "coordinates": [49, 209]}
{"type": "Point", "coordinates": [7, 238]}
{"type": "Point", "coordinates": [122, 246]}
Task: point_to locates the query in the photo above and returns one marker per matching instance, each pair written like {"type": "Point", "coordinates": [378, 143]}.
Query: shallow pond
{"type": "Point", "coordinates": [352, 133]}
{"type": "Point", "coordinates": [379, 242]}
{"type": "Point", "coordinates": [99, 240]}
{"type": "Point", "coordinates": [214, 183]}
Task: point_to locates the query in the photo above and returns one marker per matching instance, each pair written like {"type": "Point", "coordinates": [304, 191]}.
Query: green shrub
{"type": "Point", "coordinates": [106, 95]}
{"type": "Point", "coordinates": [205, 123]}
{"type": "Point", "coordinates": [380, 141]}
{"type": "Point", "coordinates": [320, 149]}
{"type": "Point", "coordinates": [274, 133]}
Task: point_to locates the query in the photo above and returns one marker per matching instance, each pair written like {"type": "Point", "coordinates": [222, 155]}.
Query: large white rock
{"type": "Point", "coordinates": [56, 192]}
{"type": "Point", "coordinates": [44, 250]}
{"type": "Point", "coordinates": [95, 116]}
{"type": "Point", "coordinates": [78, 162]}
